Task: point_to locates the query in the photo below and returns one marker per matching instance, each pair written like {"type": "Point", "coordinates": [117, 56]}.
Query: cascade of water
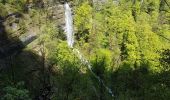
{"type": "Point", "coordinates": [85, 62]}
{"type": "Point", "coordinates": [69, 25]}
{"type": "Point", "coordinates": [70, 41]}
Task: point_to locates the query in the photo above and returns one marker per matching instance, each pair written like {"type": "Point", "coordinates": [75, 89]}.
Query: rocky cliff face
{"type": "Point", "coordinates": [57, 13]}
{"type": "Point", "coordinates": [11, 33]}
{"type": "Point", "coordinates": [14, 25]}
{"type": "Point", "coordinates": [14, 36]}
{"type": "Point", "coordinates": [55, 9]}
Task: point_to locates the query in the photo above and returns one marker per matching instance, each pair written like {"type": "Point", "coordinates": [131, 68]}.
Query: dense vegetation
{"type": "Point", "coordinates": [127, 43]}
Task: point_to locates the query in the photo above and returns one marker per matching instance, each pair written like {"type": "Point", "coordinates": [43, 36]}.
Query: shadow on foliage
{"type": "Point", "coordinates": [19, 65]}
{"type": "Point", "coordinates": [140, 84]}
{"type": "Point", "coordinates": [70, 83]}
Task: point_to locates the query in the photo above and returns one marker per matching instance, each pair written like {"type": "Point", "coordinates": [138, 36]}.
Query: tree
{"type": "Point", "coordinates": [83, 21]}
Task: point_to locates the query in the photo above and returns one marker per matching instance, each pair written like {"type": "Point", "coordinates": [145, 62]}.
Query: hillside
{"type": "Point", "coordinates": [84, 49]}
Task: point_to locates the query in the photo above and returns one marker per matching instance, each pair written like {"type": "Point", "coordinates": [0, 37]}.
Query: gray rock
{"type": "Point", "coordinates": [16, 46]}
{"type": "Point", "coordinates": [28, 38]}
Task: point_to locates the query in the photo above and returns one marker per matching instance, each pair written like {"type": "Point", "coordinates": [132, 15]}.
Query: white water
{"type": "Point", "coordinates": [70, 41]}
{"type": "Point", "coordinates": [69, 25]}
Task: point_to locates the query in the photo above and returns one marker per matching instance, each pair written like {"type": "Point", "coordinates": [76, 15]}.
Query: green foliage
{"type": "Point", "coordinates": [62, 53]}
{"type": "Point", "coordinates": [16, 4]}
{"type": "Point", "coordinates": [83, 21]}
{"type": "Point", "coordinates": [16, 92]}
{"type": "Point", "coordinates": [103, 55]}
{"type": "Point", "coordinates": [126, 42]}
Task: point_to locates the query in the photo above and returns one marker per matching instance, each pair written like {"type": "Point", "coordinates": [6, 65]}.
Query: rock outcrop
{"type": "Point", "coordinates": [12, 40]}
{"type": "Point", "coordinates": [57, 12]}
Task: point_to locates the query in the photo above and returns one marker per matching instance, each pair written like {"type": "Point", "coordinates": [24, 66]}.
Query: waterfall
{"type": "Point", "coordinates": [86, 62]}
{"type": "Point", "coordinates": [70, 42]}
{"type": "Point", "coordinates": [69, 25]}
